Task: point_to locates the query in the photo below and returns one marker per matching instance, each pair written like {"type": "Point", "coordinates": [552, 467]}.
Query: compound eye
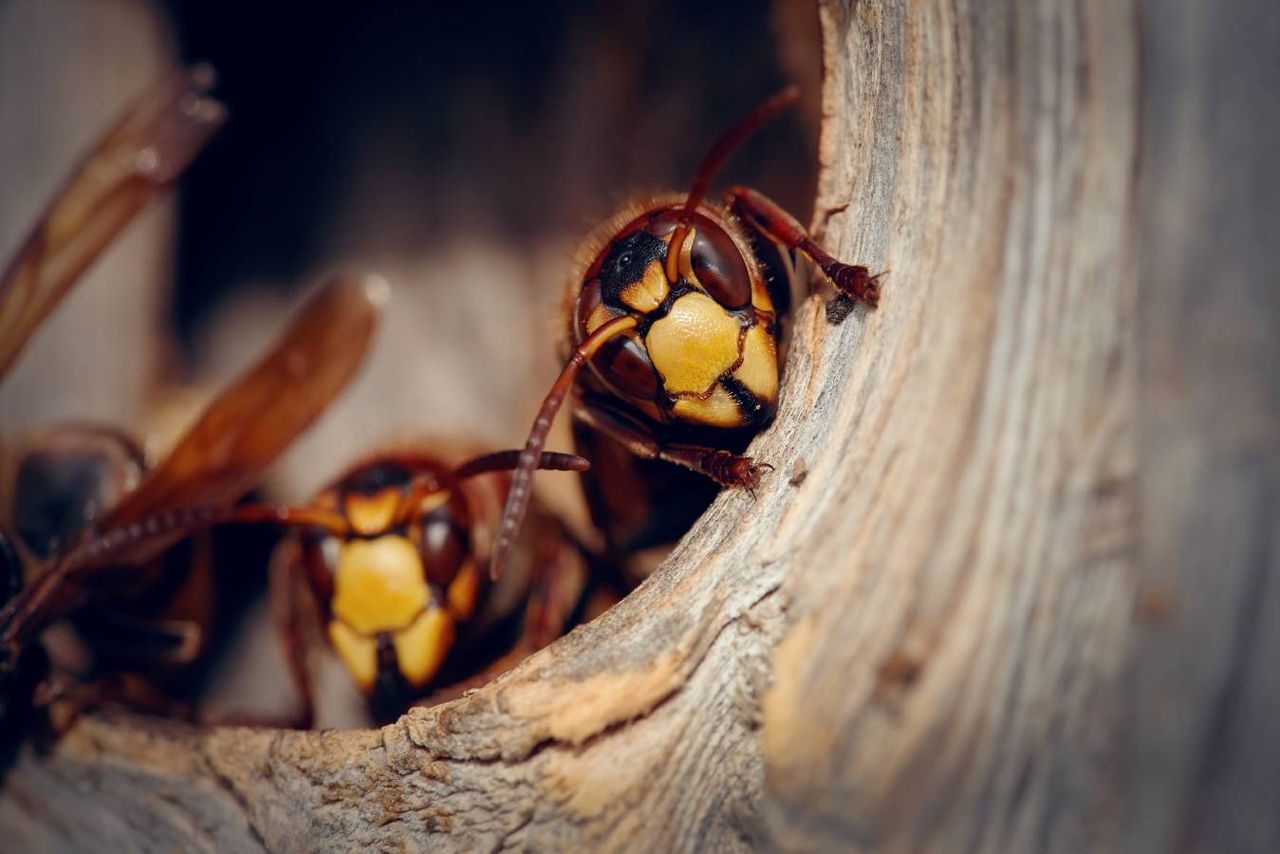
{"type": "Point", "coordinates": [715, 259]}
{"type": "Point", "coordinates": [718, 265]}
{"type": "Point", "coordinates": [444, 542]}
{"type": "Point", "coordinates": [625, 364]}
{"type": "Point", "coordinates": [66, 481]}
{"type": "Point", "coordinates": [664, 222]}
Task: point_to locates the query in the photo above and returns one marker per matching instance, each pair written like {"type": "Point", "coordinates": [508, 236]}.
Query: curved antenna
{"type": "Point", "coordinates": [522, 479]}
{"type": "Point", "coordinates": [55, 592]}
{"type": "Point", "coordinates": [218, 459]}
{"type": "Point", "coordinates": [715, 158]}
{"type": "Point", "coordinates": [509, 460]}
{"type": "Point", "coordinates": [427, 484]}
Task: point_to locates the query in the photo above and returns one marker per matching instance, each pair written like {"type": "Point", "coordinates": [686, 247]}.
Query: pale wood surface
{"type": "Point", "coordinates": [1008, 589]}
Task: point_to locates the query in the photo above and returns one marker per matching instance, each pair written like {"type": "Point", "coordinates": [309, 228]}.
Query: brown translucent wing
{"type": "Point", "coordinates": [131, 165]}
{"type": "Point", "coordinates": [252, 422]}
{"type": "Point", "coordinates": [217, 460]}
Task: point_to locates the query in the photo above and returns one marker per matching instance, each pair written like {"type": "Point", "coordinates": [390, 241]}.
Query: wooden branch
{"type": "Point", "coordinates": [1007, 588]}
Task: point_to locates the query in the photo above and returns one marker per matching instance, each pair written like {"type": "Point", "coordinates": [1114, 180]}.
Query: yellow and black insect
{"type": "Point", "coordinates": [683, 346]}
{"type": "Point", "coordinates": [391, 559]}
{"type": "Point", "coordinates": [87, 521]}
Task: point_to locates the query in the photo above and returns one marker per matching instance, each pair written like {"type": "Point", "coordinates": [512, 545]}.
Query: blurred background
{"type": "Point", "coordinates": [461, 150]}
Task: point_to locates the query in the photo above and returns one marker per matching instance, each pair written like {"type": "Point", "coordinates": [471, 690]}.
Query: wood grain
{"type": "Point", "coordinates": [1008, 589]}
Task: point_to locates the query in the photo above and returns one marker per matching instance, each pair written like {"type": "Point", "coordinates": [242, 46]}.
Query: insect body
{"type": "Point", "coordinates": [59, 483]}
{"type": "Point", "coordinates": [61, 480]}
{"type": "Point", "coordinates": [393, 555]}
{"type": "Point", "coordinates": [677, 307]}
{"type": "Point", "coordinates": [87, 520]}
{"type": "Point", "coordinates": [703, 351]}
{"type": "Point", "coordinates": [102, 564]}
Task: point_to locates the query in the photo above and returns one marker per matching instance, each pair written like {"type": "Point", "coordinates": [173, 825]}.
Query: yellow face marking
{"type": "Point", "coordinates": [759, 368]}
{"type": "Point", "coordinates": [760, 298]}
{"type": "Point", "coordinates": [421, 648]}
{"type": "Point", "coordinates": [432, 501]}
{"type": "Point", "coordinates": [648, 293]}
{"type": "Point", "coordinates": [718, 410]}
{"type": "Point", "coordinates": [370, 515]}
{"type": "Point", "coordinates": [686, 258]}
{"type": "Point", "coordinates": [379, 585]}
{"type": "Point", "coordinates": [463, 592]}
{"type": "Point", "coordinates": [694, 344]}
{"type": "Point", "coordinates": [600, 315]}
{"type": "Point", "coordinates": [357, 652]}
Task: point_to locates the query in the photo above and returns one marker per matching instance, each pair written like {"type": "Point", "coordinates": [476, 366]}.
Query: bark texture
{"type": "Point", "coordinates": [1008, 588]}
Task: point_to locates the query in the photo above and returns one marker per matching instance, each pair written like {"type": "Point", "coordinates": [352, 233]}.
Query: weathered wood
{"type": "Point", "coordinates": [1202, 728]}
{"type": "Point", "coordinates": [1007, 589]}
{"type": "Point", "coordinates": [962, 603]}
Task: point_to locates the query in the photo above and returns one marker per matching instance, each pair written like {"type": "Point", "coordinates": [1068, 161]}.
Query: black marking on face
{"type": "Point", "coordinates": [626, 263]}
{"type": "Point", "coordinates": [370, 480]}
{"type": "Point", "coordinates": [674, 293]}
{"type": "Point", "coordinates": [390, 689]}
{"type": "Point", "coordinates": [753, 411]}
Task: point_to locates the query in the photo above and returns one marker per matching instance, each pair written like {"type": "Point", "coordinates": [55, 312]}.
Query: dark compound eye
{"type": "Point", "coordinates": [370, 480]}
{"type": "Point", "coordinates": [625, 364]}
{"type": "Point", "coordinates": [718, 266]}
{"type": "Point", "coordinates": [66, 482]}
{"type": "Point", "coordinates": [444, 540]}
{"type": "Point", "coordinates": [717, 262]}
